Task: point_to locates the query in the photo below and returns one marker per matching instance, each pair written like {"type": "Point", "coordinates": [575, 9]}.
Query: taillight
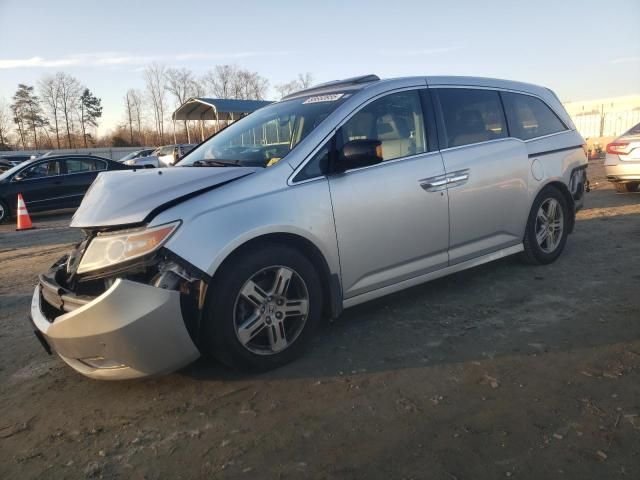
{"type": "Point", "coordinates": [617, 148]}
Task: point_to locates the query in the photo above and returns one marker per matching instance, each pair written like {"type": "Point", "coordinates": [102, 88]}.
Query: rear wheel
{"type": "Point", "coordinates": [547, 227]}
{"type": "Point", "coordinates": [626, 187]}
{"type": "Point", "coordinates": [263, 308]}
{"type": "Point", "coordinates": [4, 212]}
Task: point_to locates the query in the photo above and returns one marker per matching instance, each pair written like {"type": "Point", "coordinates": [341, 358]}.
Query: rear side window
{"type": "Point", "coordinates": [471, 116]}
{"type": "Point", "coordinates": [529, 117]}
{"type": "Point", "coordinates": [79, 165]}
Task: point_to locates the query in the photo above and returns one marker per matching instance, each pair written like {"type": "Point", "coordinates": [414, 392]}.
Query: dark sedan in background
{"type": "Point", "coordinates": [51, 183]}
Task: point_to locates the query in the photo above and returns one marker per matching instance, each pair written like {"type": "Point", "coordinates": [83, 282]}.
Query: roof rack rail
{"type": "Point", "coordinates": [336, 83]}
{"type": "Point", "coordinates": [350, 81]}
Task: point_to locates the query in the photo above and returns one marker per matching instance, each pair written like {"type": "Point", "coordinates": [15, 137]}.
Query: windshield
{"type": "Point", "coordinates": [11, 171]}
{"type": "Point", "coordinates": [635, 130]}
{"type": "Point", "coordinates": [129, 156]}
{"type": "Point", "coordinates": [267, 135]}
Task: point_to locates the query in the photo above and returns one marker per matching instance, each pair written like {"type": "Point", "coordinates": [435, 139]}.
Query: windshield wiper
{"type": "Point", "coordinates": [216, 163]}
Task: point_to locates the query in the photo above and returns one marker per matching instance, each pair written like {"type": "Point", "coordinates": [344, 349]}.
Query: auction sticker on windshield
{"type": "Point", "coordinates": [324, 98]}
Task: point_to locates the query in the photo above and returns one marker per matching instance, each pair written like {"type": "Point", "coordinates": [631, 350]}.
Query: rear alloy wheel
{"type": "Point", "coordinates": [262, 308]}
{"type": "Point", "coordinates": [626, 187]}
{"type": "Point", "coordinates": [546, 232]}
{"type": "Point", "coordinates": [4, 212]}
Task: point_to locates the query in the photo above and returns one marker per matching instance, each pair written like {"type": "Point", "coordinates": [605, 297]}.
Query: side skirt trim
{"type": "Point", "coordinates": [380, 292]}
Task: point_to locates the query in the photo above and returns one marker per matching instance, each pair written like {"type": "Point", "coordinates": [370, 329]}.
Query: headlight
{"type": "Point", "coordinates": [130, 162]}
{"type": "Point", "coordinates": [111, 248]}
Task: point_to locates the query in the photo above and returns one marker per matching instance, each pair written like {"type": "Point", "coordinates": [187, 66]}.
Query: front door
{"type": "Point", "coordinates": [392, 218]}
{"type": "Point", "coordinates": [41, 185]}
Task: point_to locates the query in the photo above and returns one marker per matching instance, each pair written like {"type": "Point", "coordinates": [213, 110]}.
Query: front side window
{"type": "Point", "coordinates": [529, 117]}
{"type": "Point", "coordinates": [395, 120]}
{"type": "Point", "coordinates": [471, 116]}
{"type": "Point", "coordinates": [267, 135]}
{"type": "Point", "coordinates": [43, 169]}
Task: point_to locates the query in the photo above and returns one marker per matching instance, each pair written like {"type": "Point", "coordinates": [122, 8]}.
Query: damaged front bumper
{"type": "Point", "coordinates": [131, 330]}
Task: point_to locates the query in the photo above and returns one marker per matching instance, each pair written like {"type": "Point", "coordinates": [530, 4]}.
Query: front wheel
{"type": "Point", "coordinates": [4, 212]}
{"type": "Point", "coordinates": [547, 227]}
{"type": "Point", "coordinates": [262, 309]}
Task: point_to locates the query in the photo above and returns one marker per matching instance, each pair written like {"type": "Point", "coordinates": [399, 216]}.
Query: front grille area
{"type": "Point", "coordinates": [56, 299]}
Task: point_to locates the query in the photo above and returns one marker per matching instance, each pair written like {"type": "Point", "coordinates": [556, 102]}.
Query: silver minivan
{"type": "Point", "coordinates": [334, 196]}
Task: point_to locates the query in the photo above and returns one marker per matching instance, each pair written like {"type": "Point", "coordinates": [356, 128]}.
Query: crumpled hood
{"type": "Point", "coordinates": [130, 196]}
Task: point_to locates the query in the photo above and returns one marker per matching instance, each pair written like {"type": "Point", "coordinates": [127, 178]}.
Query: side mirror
{"type": "Point", "coordinates": [19, 177]}
{"type": "Point", "coordinates": [358, 154]}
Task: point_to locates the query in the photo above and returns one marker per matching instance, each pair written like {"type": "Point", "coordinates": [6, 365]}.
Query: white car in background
{"type": "Point", "coordinates": [622, 163]}
{"type": "Point", "coordinates": [165, 156]}
{"type": "Point", "coordinates": [170, 154]}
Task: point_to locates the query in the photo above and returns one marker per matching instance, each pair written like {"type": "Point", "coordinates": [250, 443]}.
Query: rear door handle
{"type": "Point", "coordinates": [458, 178]}
{"type": "Point", "coordinates": [433, 184]}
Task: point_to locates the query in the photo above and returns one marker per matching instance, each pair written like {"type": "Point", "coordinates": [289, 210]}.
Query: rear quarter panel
{"type": "Point", "coordinates": [553, 159]}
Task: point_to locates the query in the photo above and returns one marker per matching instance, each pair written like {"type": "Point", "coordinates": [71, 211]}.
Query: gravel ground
{"type": "Point", "coordinates": [505, 370]}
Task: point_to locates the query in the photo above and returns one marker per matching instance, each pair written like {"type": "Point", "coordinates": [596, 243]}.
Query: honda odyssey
{"type": "Point", "coordinates": [331, 197]}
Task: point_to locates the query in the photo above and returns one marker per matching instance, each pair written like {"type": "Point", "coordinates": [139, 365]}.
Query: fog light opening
{"type": "Point", "coordinates": [102, 363]}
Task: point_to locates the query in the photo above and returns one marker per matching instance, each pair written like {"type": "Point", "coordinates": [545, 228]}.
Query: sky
{"type": "Point", "coordinates": [582, 49]}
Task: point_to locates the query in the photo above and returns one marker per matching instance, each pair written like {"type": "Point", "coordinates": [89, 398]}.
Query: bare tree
{"type": "Point", "coordinates": [155, 77]}
{"type": "Point", "coordinates": [137, 104]}
{"type": "Point", "coordinates": [129, 105]}
{"type": "Point", "coordinates": [5, 124]}
{"type": "Point", "coordinates": [180, 83]}
{"type": "Point", "coordinates": [229, 81]}
{"type": "Point", "coordinates": [50, 94]}
{"type": "Point", "coordinates": [221, 81]}
{"type": "Point", "coordinates": [303, 81]}
{"type": "Point", "coordinates": [69, 91]}
{"type": "Point", "coordinates": [285, 89]}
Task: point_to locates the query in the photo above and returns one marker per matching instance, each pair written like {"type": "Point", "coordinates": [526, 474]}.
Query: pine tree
{"type": "Point", "coordinates": [27, 113]}
{"type": "Point", "coordinates": [90, 111]}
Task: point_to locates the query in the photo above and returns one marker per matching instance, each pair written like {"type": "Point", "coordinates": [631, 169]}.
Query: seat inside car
{"type": "Point", "coordinates": [470, 129]}
{"type": "Point", "coordinates": [395, 135]}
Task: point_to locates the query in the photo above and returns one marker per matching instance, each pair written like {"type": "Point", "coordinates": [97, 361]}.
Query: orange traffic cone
{"type": "Point", "coordinates": [24, 220]}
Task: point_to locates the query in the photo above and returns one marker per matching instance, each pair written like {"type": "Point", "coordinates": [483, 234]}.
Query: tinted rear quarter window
{"type": "Point", "coordinates": [529, 117]}
{"type": "Point", "coordinates": [471, 116]}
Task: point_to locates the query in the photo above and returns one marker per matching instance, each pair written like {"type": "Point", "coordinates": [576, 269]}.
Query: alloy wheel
{"type": "Point", "coordinates": [549, 225]}
{"type": "Point", "coordinates": [271, 310]}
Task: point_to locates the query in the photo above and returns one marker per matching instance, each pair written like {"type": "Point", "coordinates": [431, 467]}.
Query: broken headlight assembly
{"type": "Point", "coordinates": [112, 248]}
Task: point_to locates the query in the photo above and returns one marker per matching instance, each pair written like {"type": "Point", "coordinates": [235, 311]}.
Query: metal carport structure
{"type": "Point", "coordinates": [218, 109]}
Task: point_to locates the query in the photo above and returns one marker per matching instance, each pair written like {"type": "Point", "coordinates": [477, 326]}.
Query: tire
{"type": "Point", "coordinates": [228, 309]}
{"type": "Point", "coordinates": [547, 250]}
{"type": "Point", "coordinates": [626, 187]}
{"type": "Point", "coordinates": [4, 212]}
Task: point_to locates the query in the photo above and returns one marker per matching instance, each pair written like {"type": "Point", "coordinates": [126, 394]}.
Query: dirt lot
{"type": "Point", "coordinates": [502, 371]}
